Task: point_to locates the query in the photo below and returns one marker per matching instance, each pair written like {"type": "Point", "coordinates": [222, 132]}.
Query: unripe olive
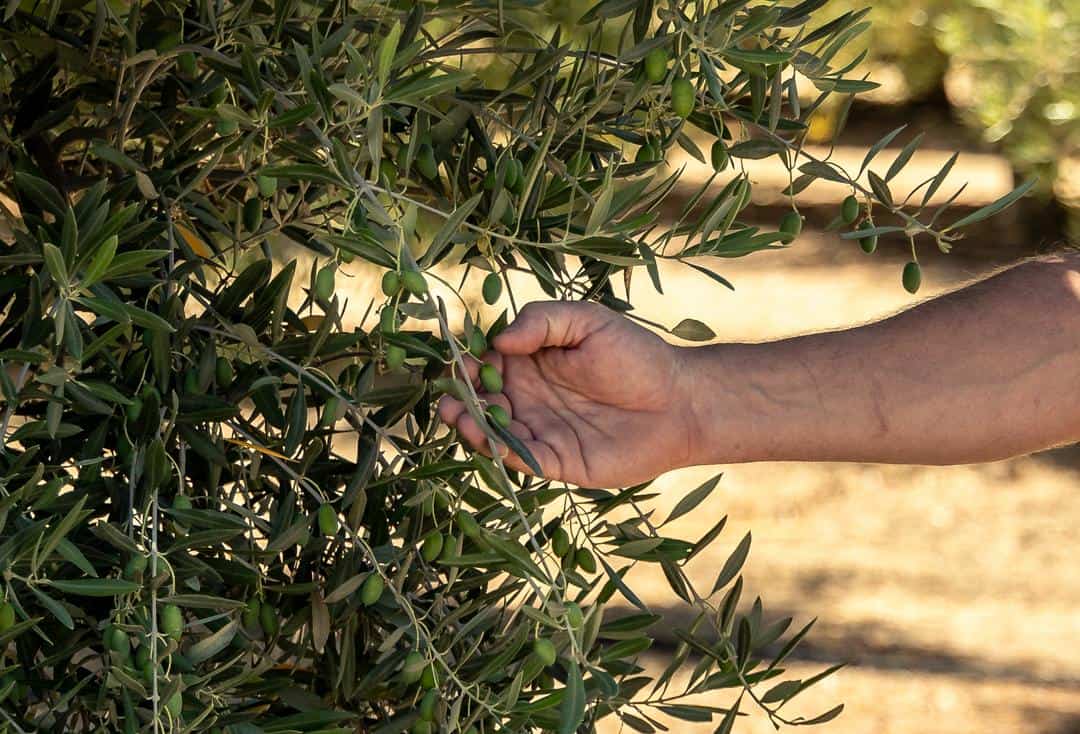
{"type": "Point", "coordinates": [119, 643]}
{"type": "Point", "coordinates": [133, 569]}
{"type": "Point", "coordinates": [656, 65]}
{"type": "Point", "coordinates": [134, 410]}
{"type": "Point", "coordinates": [421, 727]}
{"type": "Point", "coordinates": [427, 678]}
{"type": "Point", "coordinates": [428, 704]}
{"type": "Point", "coordinates": [647, 153]}
{"type": "Point", "coordinates": [432, 546]}
{"type": "Point", "coordinates": [560, 542]}
{"type": "Point", "coordinates": [328, 520]}
{"type": "Point", "coordinates": [414, 282]}
{"type": "Point", "coordinates": [790, 227]}
{"type": "Point", "coordinates": [395, 356]}
{"type": "Point", "coordinates": [324, 282]}
{"type": "Point", "coordinates": [142, 656]}
{"type": "Point", "coordinates": [172, 621]}
{"type": "Point", "coordinates": [492, 288]}
{"type": "Point", "coordinates": [7, 616]}
{"type": "Point", "coordinates": [253, 214]}
{"type": "Point", "coordinates": [268, 619]}
{"type": "Point", "coordinates": [478, 345]}
{"type": "Point", "coordinates": [267, 185]}
{"type": "Point", "coordinates": [719, 156]}
{"type": "Point", "coordinates": [682, 97]}
{"type": "Point", "coordinates": [223, 372]}
{"type": "Point", "coordinates": [372, 589]}
{"type": "Point", "coordinates": [181, 502]}
{"type": "Point", "coordinates": [585, 560]}
{"type": "Point", "coordinates": [498, 416]}
{"type": "Point", "coordinates": [490, 378]}
{"type": "Point", "coordinates": [250, 616]}
{"type": "Point", "coordinates": [391, 283]}
{"type": "Point", "coordinates": [510, 179]}
{"type": "Point", "coordinates": [388, 320]}
{"type": "Point", "coordinates": [544, 650]}
{"type": "Point", "coordinates": [912, 277]}
{"type": "Point", "coordinates": [868, 244]}
{"type": "Point", "coordinates": [413, 667]}
{"type": "Point", "coordinates": [574, 615]}
{"type": "Point", "coordinates": [849, 210]}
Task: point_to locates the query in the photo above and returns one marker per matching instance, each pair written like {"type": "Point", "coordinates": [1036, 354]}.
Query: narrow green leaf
{"type": "Point", "coordinates": [991, 209]}
{"type": "Point", "coordinates": [733, 564]}
{"type": "Point", "coordinates": [572, 710]}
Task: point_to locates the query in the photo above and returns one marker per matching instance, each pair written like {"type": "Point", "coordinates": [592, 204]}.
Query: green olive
{"type": "Point", "coordinates": [683, 97]}
{"type": "Point", "coordinates": [328, 520]}
{"type": "Point", "coordinates": [478, 345]}
{"type": "Point", "coordinates": [656, 65]}
{"type": "Point", "coordinates": [372, 589]}
{"type": "Point", "coordinates": [427, 678]}
{"type": "Point", "coordinates": [428, 704]}
{"type": "Point", "coordinates": [719, 156]}
{"type": "Point", "coordinates": [544, 650]}
{"type": "Point", "coordinates": [250, 616]}
{"type": "Point", "coordinates": [647, 153]}
{"type": "Point", "coordinates": [790, 227]}
{"type": "Point", "coordinates": [388, 320]}
{"type": "Point", "coordinates": [912, 277]}
{"type": "Point", "coordinates": [868, 244]}
{"type": "Point", "coordinates": [391, 283]}
{"type": "Point", "coordinates": [324, 282]}
{"type": "Point", "coordinates": [492, 288]}
{"type": "Point", "coordinates": [849, 210]}
{"type": "Point", "coordinates": [560, 542]}
{"type": "Point", "coordinates": [432, 546]}
{"type": "Point", "coordinates": [414, 282]}
{"type": "Point", "coordinates": [574, 615]}
{"type": "Point", "coordinates": [413, 667]}
{"type": "Point", "coordinates": [490, 378]}
{"type": "Point", "coordinates": [133, 569]}
{"type": "Point", "coordinates": [267, 185]}
{"type": "Point", "coordinates": [268, 619]}
{"type": "Point", "coordinates": [585, 560]}
{"type": "Point", "coordinates": [172, 621]}
{"type": "Point", "coordinates": [119, 643]}
{"type": "Point", "coordinates": [498, 416]}
{"type": "Point", "coordinates": [223, 372]}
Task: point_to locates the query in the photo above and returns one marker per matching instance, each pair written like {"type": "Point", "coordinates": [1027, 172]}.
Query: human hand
{"type": "Point", "coordinates": [598, 400]}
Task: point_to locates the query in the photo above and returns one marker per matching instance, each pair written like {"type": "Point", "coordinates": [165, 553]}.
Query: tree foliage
{"type": "Point", "coordinates": [220, 509]}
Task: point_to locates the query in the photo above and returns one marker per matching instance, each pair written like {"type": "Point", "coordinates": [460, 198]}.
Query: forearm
{"type": "Point", "coordinates": [986, 372]}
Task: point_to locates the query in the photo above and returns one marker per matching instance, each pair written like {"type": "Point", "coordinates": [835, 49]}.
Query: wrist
{"type": "Point", "coordinates": [716, 391]}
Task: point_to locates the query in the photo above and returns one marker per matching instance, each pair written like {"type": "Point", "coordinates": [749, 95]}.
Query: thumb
{"type": "Point", "coordinates": [544, 324]}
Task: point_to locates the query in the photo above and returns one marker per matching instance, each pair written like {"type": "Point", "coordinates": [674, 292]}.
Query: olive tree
{"type": "Point", "coordinates": [223, 510]}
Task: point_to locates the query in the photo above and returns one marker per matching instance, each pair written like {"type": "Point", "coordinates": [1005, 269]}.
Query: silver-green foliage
{"type": "Point", "coordinates": [220, 509]}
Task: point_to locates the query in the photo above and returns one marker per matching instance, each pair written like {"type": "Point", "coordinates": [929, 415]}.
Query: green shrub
{"type": "Point", "coordinates": [1010, 69]}
{"type": "Point", "coordinates": [223, 511]}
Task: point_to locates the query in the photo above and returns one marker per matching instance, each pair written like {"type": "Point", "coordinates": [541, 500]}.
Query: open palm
{"type": "Point", "coordinates": [590, 394]}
